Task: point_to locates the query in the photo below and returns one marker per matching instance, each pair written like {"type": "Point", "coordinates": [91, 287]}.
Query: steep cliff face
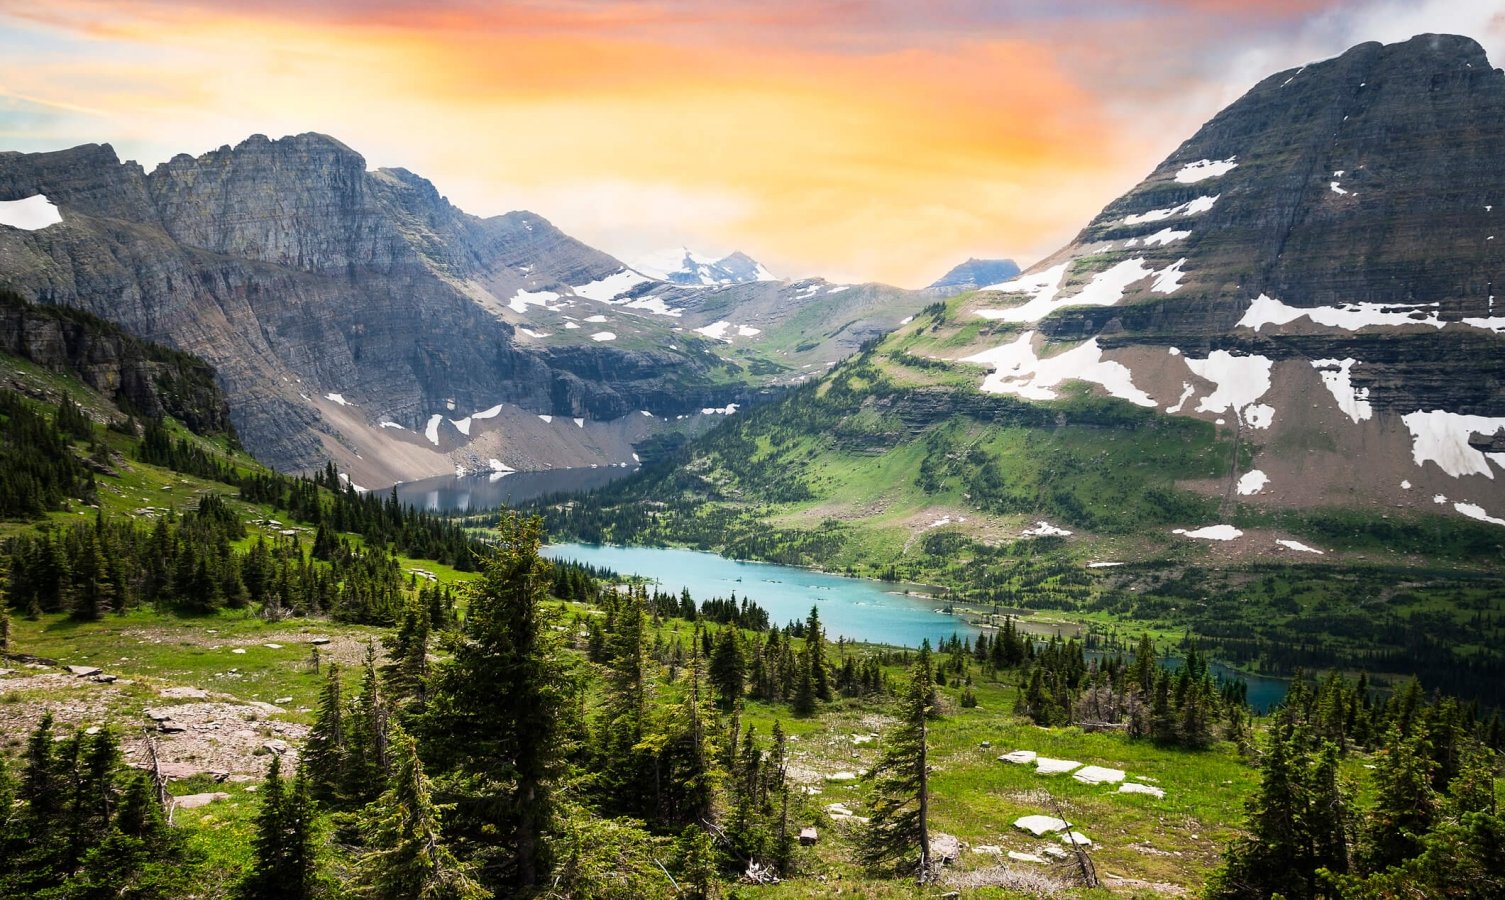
{"type": "Point", "coordinates": [137, 376]}
{"type": "Point", "coordinates": [1315, 270]}
{"type": "Point", "coordinates": [300, 275]}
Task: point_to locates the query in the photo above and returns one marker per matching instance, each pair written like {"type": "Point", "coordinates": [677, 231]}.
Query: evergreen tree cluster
{"type": "Point", "coordinates": [1433, 828]}
{"type": "Point", "coordinates": [77, 824]}
{"type": "Point", "coordinates": [187, 563]}
{"type": "Point", "coordinates": [41, 470]}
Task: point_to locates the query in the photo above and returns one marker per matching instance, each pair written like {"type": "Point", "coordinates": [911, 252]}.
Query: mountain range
{"type": "Point", "coordinates": [356, 315]}
{"type": "Point", "coordinates": [1283, 342]}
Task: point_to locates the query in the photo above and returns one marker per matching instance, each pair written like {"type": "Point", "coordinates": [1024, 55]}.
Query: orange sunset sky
{"type": "Point", "coordinates": [857, 139]}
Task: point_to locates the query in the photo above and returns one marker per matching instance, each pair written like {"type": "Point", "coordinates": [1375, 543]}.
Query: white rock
{"type": "Point", "coordinates": [989, 849]}
{"type": "Point", "coordinates": [1047, 766]}
{"type": "Point", "coordinates": [842, 776]}
{"type": "Point", "coordinates": [1026, 857]}
{"type": "Point", "coordinates": [1019, 757]}
{"type": "Point", "coordinates": [1077, 838]}
{"type": "Point", "coordinates": [1040, 825]}
{"type": "Point", "coordinates": [194, 801]}
{"type": "Point", "coordinates": [1133, 787]}
{"type": "Point", "coordinates": [1099, 775]}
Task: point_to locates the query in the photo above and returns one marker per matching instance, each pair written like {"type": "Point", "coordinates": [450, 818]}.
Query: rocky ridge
{"type": "Point", "coordinates": [1314, 271]}
{"type": "Point", "coordinates": [358, 315]}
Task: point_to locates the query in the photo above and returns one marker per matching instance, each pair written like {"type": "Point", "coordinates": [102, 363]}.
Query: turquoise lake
{"type": "Point", "coordinates": [854, 608]}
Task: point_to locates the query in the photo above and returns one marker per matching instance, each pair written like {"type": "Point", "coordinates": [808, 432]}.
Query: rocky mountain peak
{"type": "Point", "coordinates": [974, 274]}
{"type": "Point", "coordinates": [1316, 268]}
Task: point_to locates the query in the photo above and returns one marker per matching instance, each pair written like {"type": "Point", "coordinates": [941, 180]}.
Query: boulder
{"type": "Point", "coordinates": [83, 671]}
{"type": "Point", "coordinates": [1099, 775]}
{"type": "Point", "coordinates": [1041, 825]}
{"type": "Point", "coordinates": [1018, 757]}
{"type": "Point", "coordinates": [1047, 766]}
{"type": "Point", "coordinates": [808, 836]}
{"type": "Point", "coordinates": [1134, 787]}
{"type": "Point", "coordinates": [194, 801]}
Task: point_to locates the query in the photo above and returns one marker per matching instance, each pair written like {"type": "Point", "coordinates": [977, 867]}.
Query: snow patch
{"type": "Point", "coordinates": [1212, 533]}
{"type": "Point", "coordinates": [611, 287]}
{"type": "Point", "coordinates": [1442, 437]}
{"type": "Point", "coordinates": [534, 334]}
{"type": "Point", "coordinates": [462, 425]}
{"type": "Point", "coordinates": [1186, 393]}
{"type": "Point", "coordinates": [1240, 380]}
{"type": "Point", "coordinates": [579, 423]}
{"type": "Point", "coordinates": [491, 413]}
{"type": "Point", "coordinates": [1104, 565]}
{"type": "Point", "coordinates": [748, 331]}
{"type": "Point", "coordinates": [499, 466]}
{"type": "Point", "coordinates": [1252, 482]}
{"type": "Point", "coordinates": [1335, 189]}
{"type": "Point", "coordinates": [29, 214]}
{"type": "Point", "coordinates": [1105, 289]}
{"type": "Point", "coordinates": [1189, 208]}
{"type": "Point", "coordinates": [1298, 546]}
{"type": "Point", "coordinates": [1164, 236]}
{"type": "Point", "coordinates": [431, 430]}
{"type": "Point", "coordinates": [524, 299]}
{"type": "Point", "coordinates": [716, 331]}
{"type": "Point", "coordinates": [570, 326]}
{"type": "Point", "coordinates": [390, 425]}
{"type": "Point", "coordinates": [1266, 310]}
{"type": "Point", "coordinates": [338, 398]}
{"type": "Point", "coordinates": [1203, 169]}
{"type": "Point", "coordinates": [546, 419]}
{"type": "Point", "coordinates": [1017, 370]}
{"type": "Point", "coordinates": [655, 305]}
{"type": "Point", "coordinates": [1475, 511]}
{"type": "Point", "coordinates": [726, 410]}
{"type": "Point", "coordinates": [1336, 376]}
{"type": "Point", "coordinates": [601, 336]}
{"type": "Point", "coordinates": [598, 319]}
{"type": "Point", "coordinates": [1045, 529]}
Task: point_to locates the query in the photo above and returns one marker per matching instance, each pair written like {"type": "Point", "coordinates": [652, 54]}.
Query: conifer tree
{"type": "Point", "coordinates": [899, 832]}
{"type": "Point", "coordinates": [1405, 806]}
{"type": "Point", "coordinates": [406, 858]}
{"type": "Point", "coordinates": [728, 668]}
{"type": "Point", "coordinates": [695, 859]}
{"type": "Point", "coordinates": [815, 655]}
{"type": "Point", "coordinates": [365, 762]}
{"type": "Point", "coordinates": [285, 845]}
{"type": "Point", "coordinates": [325, 750]}
{"type": "Point", "coordinates": [493, 725]}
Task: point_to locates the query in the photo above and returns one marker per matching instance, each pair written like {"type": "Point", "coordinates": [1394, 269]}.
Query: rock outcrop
{"type": "Point", "coordinates": [298, 274]}
{"type": "Point", "coordinates": [1315, 269]}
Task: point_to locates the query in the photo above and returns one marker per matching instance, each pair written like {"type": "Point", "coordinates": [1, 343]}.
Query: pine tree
{"type": "Point", "coordinates": [406, 858]}
{"type": "Point", "coordinates": [695, 859]}
{"type": "Point", "coordinates": [815, 655]}
{"type": "Point", "coordinates": [493, 725]}
{"type": "Point", "coordinates": [325, 751]}
{"type": "Point", "coordinates": [728, 668]}
{"type": "Point", "coordinates": [365, 763]}
{"type": "Point", "coordinates": [1270, 860]}
{"type": "Point", "coordinates": [285, 845]}
{"type": "Point", "coordinates": [1405, 806]}
{"type": "Point", "coordinates": [899, 833]}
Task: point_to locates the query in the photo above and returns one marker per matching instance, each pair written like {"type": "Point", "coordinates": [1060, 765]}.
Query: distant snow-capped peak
{"type": "Point", "coordinates": [685, 266]}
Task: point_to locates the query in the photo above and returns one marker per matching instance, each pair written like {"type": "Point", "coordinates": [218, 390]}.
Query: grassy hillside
{"type": "Point", "coordinates": [895, 466]}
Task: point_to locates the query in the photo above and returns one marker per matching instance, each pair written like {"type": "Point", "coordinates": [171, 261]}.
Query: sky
{"type": "Point", "coordinates": [860, 140]}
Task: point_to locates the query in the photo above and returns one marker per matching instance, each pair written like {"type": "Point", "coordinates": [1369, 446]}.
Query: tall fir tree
{"type": "Point", "coordinates": [285, 846]}
{"type": "Point", "coordinates": [405, 856]}
{"type": "Point", "coordinates": [898, 834]}
{"type": "Point", "coordinates": [493, 727]}
{"type": "Point", "coordinates": [324, 752]}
